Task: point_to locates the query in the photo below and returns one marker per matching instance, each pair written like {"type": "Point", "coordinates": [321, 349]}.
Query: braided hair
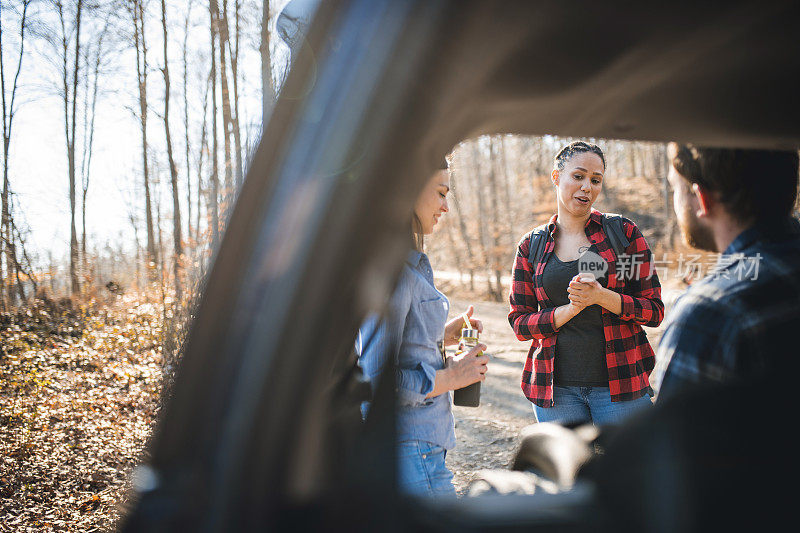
{"type": "Point", "coordinates": [576, 147]}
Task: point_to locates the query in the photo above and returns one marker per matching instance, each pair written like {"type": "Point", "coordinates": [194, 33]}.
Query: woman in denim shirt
{"type": "Point", "coordinates": [416, 322]}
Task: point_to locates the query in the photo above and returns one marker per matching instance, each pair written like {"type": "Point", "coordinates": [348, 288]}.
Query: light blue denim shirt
{"type": "Point", "coordinates": [415, 322]}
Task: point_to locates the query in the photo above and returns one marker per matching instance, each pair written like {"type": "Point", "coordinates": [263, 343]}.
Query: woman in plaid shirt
{"type": "Point", "coordinates": [583, 303]}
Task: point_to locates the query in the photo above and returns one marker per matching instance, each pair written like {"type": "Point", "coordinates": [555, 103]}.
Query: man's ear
{"type": "Point", "coordinates": [554, 177]}
{"type": "Point", "coordinates": [705, 199]}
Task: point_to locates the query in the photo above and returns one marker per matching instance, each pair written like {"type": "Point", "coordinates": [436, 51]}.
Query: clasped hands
{"type": "Point", "coordinates": [582, 294]}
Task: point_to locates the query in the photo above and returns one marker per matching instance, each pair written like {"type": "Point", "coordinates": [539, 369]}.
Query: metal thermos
{"type": "Point", "coordinates": [469, 396]}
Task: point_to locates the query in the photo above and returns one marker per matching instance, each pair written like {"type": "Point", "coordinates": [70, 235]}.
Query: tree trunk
{"type": "Point", "coordinates": [189, 234]}
{"type": "Point", "coordinates": [631, 160]}
{"type": "Point", "coordinates": [84, 265]}
{"type": "Point", "coordinates": [82, 272]}
{"type": "Point", "coordinates": [90, 106]}
{"type": "Point", "coordinates": [462, 226]}
{"type": "Point", "coordinates": [220, 25]}
{"type": "Point", "coordinates": [70, 111]}
{"type": "Point", "coordinates": [74, 236]}
{"type": "Point", "coordinates": [6, 223]}
{"type": "Point", "coordinates": [141, 74]}
{"type": "Point", "coordinates": [29, 273]}
{"type": "Point", "coordinates": [203, 148]}
{"type": "Point", "coordinates": [267, 87]}
{"type": "Point", "coordinates": [159, 240]}
{"type": "Point", "coordinates": [484, 238]}
{"type": "Point", "coordinates": [496, 231]}
{"type": "Point", "coordinates": [507, 185]}
{"type": "Point", "coordinates": [455, 250]}
{"type": "Point", "coordinates": [173, 169]}
{"type": "Point", "coordinates": [234, 55]}
{"type": "Point", "coordinates": [138, 258]}
{"type": "Point", "coordinates": [214, 192]}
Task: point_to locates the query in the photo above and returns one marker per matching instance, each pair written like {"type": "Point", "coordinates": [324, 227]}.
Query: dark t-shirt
{"type": "Point", "coordinates": [580, 358]}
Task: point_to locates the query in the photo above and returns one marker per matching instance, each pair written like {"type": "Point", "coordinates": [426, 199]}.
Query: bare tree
{"type": "Point", "coordinates": [202, 150]}
{"type": "Point", "coordinates": [173, 169]}
{"type": "Point", "coordinates": [483, 239]}
{"type": "Point", "coordinates": [489, 209]}
{"type": "Point", "coordinates": [70, 55]}
{"type": "Point", "coordinates": [462, 226]}
{"type": "Point", "coordinates": [157, 220]}
{"type": "Point", "coordinates": [631, 160]}
{"type": "Point", "coordinates": [507, 178]}
{"type": "Point", "coordinates": [267, 87]}
{"type": "Point", "coordinates": [233, 49]}
{"type": "Point", "coordinates": [220, 26]}
{"type": "Point", "coordinates": [28, 268]}
{"type": "Point", "coordinates": [214, 192]}
{"type": "Point", "coordinates": [189, 234]}
{"type": "Point", "coordinates": [136, 9]}
{"type": "Point", "coordinates": [92, 64]}
{"type": "Point", "coordinates": [9, 110]}
{"type": "Point", "coordinates": [134, 220]}
{"type": "Point", "coordinates": [496, 231]}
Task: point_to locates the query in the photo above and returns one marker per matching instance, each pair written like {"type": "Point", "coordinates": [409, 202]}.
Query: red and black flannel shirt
{"type": "Point", "coordinates": [629, 355]}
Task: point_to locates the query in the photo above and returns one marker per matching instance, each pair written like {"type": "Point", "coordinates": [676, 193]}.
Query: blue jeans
{"type": "Point", "coordinates": [421, 469]}
{"type": "Point", "coordinates": [578, 405]}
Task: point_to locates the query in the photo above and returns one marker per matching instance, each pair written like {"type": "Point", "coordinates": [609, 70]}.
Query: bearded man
{"type": "Point", "coordinates": [740, 324]}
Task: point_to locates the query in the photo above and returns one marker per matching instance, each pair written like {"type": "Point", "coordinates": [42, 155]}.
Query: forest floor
{"type": "Point", "coordinates": [79, 392]}
{"type": "Point", "coordinates": [79, 397]}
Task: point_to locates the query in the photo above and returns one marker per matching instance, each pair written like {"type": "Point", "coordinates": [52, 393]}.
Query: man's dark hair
{"type": "Point", "coordinates": [577, 147]}
{"type": "Point", "coordinates": [753, 185]}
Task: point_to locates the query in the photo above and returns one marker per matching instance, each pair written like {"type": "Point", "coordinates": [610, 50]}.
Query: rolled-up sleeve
{"type": "Point", "coordinates": [527, 321]}
{"type": "Point", "coordinates": [414, 384]}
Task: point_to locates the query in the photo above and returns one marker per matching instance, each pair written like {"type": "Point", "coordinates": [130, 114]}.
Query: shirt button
{"type": "Point", "coordinates": [424, 455]}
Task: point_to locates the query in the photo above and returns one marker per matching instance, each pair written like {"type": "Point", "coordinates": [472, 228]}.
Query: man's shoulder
{"type": "Point", "coordinates": [780, 257]}
{"type": "Point", "coordinates": [699, 316]}
{"type": "Point", "coordinates": [735, 321]}
{"type": "Point", "coordinates": [698, 335]}
{"type": "Point", "coordinates": [743, 292]}
{"type": "Point", "coordinates": [761, 275]}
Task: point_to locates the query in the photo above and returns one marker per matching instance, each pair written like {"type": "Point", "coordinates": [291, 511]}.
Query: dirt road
{"type": "Point", "coordinates": [487, 435]}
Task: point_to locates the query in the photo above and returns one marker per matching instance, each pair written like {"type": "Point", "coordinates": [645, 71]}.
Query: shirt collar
{"type": "Point", "coordinates": [762, 231]}
{"type": "Point", "coordinates": [414, 257]}
{"type": "Point", "coordinates": [595, 216]}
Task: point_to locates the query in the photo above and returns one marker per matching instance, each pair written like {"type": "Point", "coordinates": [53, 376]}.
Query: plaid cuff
{"type": "Point", "coordinates": [628, 308]}
{"type": "Point", "coordinates": [543, 323]}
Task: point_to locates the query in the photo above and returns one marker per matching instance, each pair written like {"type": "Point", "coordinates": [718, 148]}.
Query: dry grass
{"type": "Point", "coordinates": [79, 389]}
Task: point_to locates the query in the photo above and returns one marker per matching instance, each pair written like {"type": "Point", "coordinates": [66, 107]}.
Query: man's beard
{"type": "Point", "coordinates": [695, 234]}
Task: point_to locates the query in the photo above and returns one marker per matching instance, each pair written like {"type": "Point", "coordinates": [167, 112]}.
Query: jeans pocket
{"type": "Point", "coordinates": [411, 472]}
{"type": "Point", "coordinates": [422, 469]}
